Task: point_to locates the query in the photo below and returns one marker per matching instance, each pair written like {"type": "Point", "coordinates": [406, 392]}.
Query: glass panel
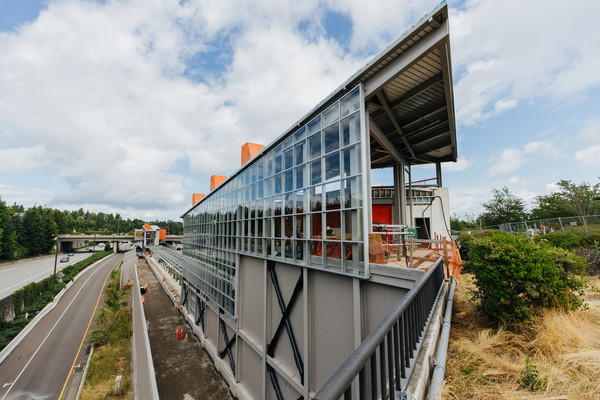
{"type": "Point", "coordinates": [332, 196]}
{"type": "Point", "coordinates": [289, 249]}
{"type": "Point", "coordinates": [300, 157]}
{"type": "Point", "coordinates": [351, 102]}
{"type": "Point", "coordinates": [354, 258]}
{"type": "Point", "coordinates": [299, 232]}
{"type": "Point", "coordinates": [353, 225]}
{"type": "Point", "coordinates": [332, 166]}
{"type": "Point", "coordinates": [277, 184]}
{"type": "Point", "coordinates": [276, 251]}
{"type": "Point", "coordinates": [277, 205]}
{"type": "Point", "coordinates": [278, 163]}
{"type": "Point", "coordinates": [288, 142]}
{"type": "Point", "coordinates": [269, 169]}
{"type": "Point", "coordinates": [314, 146]}
{"type": "Point", "coordinates": [316, 198]}
{"type": "Point", "coordinates": [299, 202]}
{"type": "Point", "coordinates": [315, 172]}
{"type": "Point", "coordinates": [316, 253]}
{"type": "Point", "coordinates": [289, 180]}
{"type": "Point", "coordinates": [332, 138]}
{"type": "Point", "coordinates": [333, 223]}
{"type": "Point", "coordinates": [316, 226]}
{"type": "Point", "coordinates": [331, 115]}
{"type": "Point", "coordinates": [253, 173]}
{"type": "Point", "coordinates": [268, 228]}
{"type": "Point", "coordinates": [351, 129]}
{"type": "Point", "coordinates": [352, 165]}
{"type": "Point", "coordinates": [288, 226]}
{"type": "Point", "coordinates": [300, 176]}
{"type": "Point", "coordinates": [289, 203]}
{"type": "Point", "coordinates": [277, 227]}
{"type": "Point", "coordinates": [259, 188]}
{"type": "Point", "coordinates": [300, 134]}
{"type": "Point", "coordinates": [334, 255]}
{"type": "Point", "coordinates": [268, 187]}
{"type": "Point", "coordinates": [260, 169]}
{"type": "Point", "coordinates": [299, 247]}
{"type": "Point", "coordinates": [352, 192]}
{"type": "Point", "coordinates": [314, 125]}
{"type": "Point", "coordinates": [288, 157]}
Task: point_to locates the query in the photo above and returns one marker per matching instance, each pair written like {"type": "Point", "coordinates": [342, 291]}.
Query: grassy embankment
{"type": "Point", "coordinates": [111, 338]}
{"type": "Point", "coordinates": [563, 349]}
{"type": "Point", "coordinates": [35, 296]}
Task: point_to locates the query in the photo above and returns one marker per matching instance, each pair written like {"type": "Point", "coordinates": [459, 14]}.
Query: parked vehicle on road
{"type": "Point", "coordinates": [64, 259]}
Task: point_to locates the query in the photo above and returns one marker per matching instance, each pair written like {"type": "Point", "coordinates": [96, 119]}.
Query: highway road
{"type": "Point", "coordinates": [43, 364]}
{"type": "Point", "coordinates": [17, 274]}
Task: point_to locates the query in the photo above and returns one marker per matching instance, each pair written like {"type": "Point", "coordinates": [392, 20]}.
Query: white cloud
{"type": "Point", "coordinates": [509, 52]}
{"type": "Point", "coordinates": [22, 158]}
{"type": "Point", "coordinates": [589, 137]}
{"type": "Point", "coordinates": [460, 165]}
{"type": "Point", "coordinates": [511, 159]}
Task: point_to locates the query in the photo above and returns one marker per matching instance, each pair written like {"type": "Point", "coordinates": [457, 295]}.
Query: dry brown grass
{"type": "Point", "coordinates": [485, 362]}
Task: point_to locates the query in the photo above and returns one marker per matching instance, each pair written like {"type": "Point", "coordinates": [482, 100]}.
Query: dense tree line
{"type": "Point", "coordinates": [570, 200]}
{"type": "Point", "coordinates": [28, 232]}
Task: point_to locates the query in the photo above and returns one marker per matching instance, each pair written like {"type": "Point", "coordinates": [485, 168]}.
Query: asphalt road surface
{"type": "Point", "coordinates": [43, 364]}
{"type": "Point", "coordinates": [17, 274]}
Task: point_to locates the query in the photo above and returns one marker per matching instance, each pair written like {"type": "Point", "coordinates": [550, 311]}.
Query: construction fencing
{"type": "Point", "coordinates": [582, 225]}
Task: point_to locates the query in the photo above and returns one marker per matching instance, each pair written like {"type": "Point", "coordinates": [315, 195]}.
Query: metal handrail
{"type": "Point", "coordinates": [397, 337]}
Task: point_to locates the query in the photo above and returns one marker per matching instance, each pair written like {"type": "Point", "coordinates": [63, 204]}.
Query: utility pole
{"type": "Point", "coordinates": [55, 262]}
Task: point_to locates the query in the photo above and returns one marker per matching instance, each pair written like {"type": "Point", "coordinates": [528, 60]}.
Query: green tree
{"type": "Point", "coordinates": [550, 206]}
{"type": "Point", "coordinates": [582, 199]}
{"type": "Point", "coordinates": [503, 207]}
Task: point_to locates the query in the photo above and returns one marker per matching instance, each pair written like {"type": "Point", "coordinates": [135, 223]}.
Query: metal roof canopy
{"type": "Point", "coordinates": [409, 99]}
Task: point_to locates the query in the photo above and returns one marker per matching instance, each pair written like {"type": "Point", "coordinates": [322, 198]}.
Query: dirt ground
{"type": "Point", "coordinates": [183, 370]}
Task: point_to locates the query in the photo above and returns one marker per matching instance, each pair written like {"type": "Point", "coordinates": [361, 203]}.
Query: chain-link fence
{"type": "Point", "coordinates": [581, 225]}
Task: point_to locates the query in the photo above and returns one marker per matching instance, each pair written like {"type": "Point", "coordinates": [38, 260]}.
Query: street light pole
{"type": "Point", "coordinates": [55, 262]}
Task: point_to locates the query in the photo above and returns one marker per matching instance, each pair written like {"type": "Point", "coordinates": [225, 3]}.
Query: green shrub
{"type": "Point", "coordinates": [465, 238]}
{"type": "Point", "coordinates": [516, 276]}
{"type": "Point", "coordinates": [530, 377]}
{"type": "Point", "coordinates": [566, 241]}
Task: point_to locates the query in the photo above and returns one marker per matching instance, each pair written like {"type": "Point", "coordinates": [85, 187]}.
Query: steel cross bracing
{"type": "Point", "coordinates": [285, 321]}
{"type": "Point", "coordinates": [201, 310]}
{"type": "Point", "coordinates": [228, 344]}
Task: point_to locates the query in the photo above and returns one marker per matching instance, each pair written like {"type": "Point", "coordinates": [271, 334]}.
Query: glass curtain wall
{"type": "Point", "coordinates": [301, 202]}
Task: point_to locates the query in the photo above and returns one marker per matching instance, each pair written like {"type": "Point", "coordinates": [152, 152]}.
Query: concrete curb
{"type": "Point", "coordinates": [49, 307]}
{"type": "Point", "coordinates": [141, 318]}
{"type": "Point", "coordinates": [85, 371]}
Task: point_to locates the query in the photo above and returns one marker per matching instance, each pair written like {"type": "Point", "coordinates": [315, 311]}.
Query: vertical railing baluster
{"type": "Point", "coordinates": [374, 375]}
{"type": "Point", "coordinates": [362, 383]}
{"type": "Point", "coordinates": [390, 365]}
{"type": "Point", "coordinates": [397, 356]}
{"type": "Point", "coordinates": [382, 373]}
{"type": "Point", "coordinates": [403, 344]}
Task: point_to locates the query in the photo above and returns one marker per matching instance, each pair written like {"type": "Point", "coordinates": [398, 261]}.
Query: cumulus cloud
{"type": "Point", "coordinates": [511, 159]}
{"type": "Point", "coordinates": [510, 52]}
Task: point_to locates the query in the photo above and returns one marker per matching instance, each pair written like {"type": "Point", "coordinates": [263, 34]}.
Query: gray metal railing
{"type": "Point", "coordinates": [384, 360]}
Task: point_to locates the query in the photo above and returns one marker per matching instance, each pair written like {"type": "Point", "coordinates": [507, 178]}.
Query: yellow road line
{"type": "Point", "coordinates": [86, 330]}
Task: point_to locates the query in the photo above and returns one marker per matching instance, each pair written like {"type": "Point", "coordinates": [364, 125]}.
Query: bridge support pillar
{"type": "Point", "coordinates": [115, 247]}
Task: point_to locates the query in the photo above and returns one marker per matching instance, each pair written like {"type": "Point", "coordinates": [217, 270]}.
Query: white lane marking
{"type": "Point", "coordinates": [49, 333]}
{"type": "Point", "coordinates": [7, 384]}
{"type": "Point", "coordinates": [7, 291]}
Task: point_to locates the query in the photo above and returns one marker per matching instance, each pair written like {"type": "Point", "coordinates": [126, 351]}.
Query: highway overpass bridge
{"type": "Point", "coordinates": [70, 242]}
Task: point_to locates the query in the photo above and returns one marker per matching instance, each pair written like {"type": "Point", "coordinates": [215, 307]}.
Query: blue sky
{"type": "Point", "coordinates": [130, 106]}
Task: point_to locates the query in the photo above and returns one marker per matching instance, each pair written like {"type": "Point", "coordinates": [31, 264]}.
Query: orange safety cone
{"type": "Point", "coordinates": [143, 299]}
{"type": "Point", "coordinates": [186, 338]}
{"type": "Point", "coordinates": [139, 270]}
{"type": "Point", "coordinates": [176, 333]}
